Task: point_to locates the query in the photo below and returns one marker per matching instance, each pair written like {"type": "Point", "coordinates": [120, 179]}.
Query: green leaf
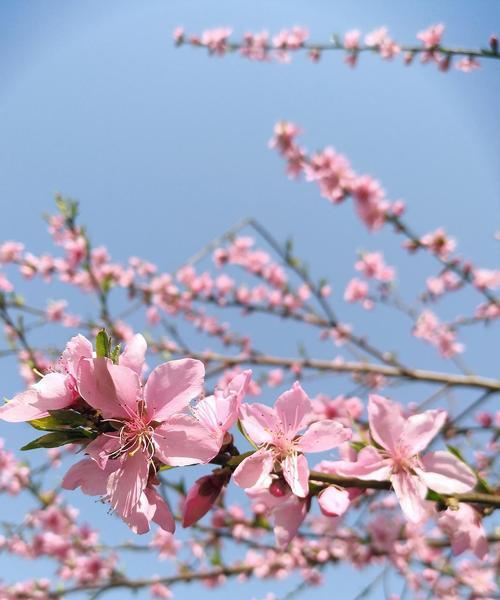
{"type": "Point", "coordinates": [66, 416]}
{"type": "Point", "coordinates": [56, 439]}
{"type": "Point", "coordinates": [61, 420]}
{"type": "Point", "coordinates": [102, 344]}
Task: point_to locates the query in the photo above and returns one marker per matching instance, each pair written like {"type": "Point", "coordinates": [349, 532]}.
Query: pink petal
{"type": "Point", "coordinates": [324, 435]}
{"type": "Point", "coordinates": [288, 517]}
{"type": "Point", "coordinates": [53, 391]}
{"type": "Point", "coordinates": [112, 389]}
{"type": "Point", "coordinates": [292, 408]}
{"type": "Point", "coordinates": [171, 387]}
{"type": "Point", "coordinates": [218, 413]}
{"type": "Point", "coordinates": [253, 472]}
{"type": "Point", "coordinates": [419, 430]}
{"type": "Point", "coordinates": [445, 473]}
{"type": "Point", "coordinates": [100, 449]}
{"type": "Point", "coordinates": [87, 476]}
{"type": "Point", "coordinates": [182, 440]}
{"type": "Point", "coordinates": [386, 422]}
{"type": "Point", "coordinates": [239, 385]}
{"type": "Point", "coordinates": [259, 422]}
{"type": "Point", "coordinates": [465, 529]}
{"type": "Point", "coordinates": [141, 515]}
{"type": "Point", "coordinates": [296, 474]}
{"type": "Point", "coordinates": [333, 501]}
{"type": "Point", "coordinates": [134, 354]}
{"type": "Point", "coordinates": [23, 407]}
{"type": "Point", "coordinates": [77, 348]}
{"type": "Point", "coordinates": [162, 517]}
{"type": "Point", "coordinates": [371, 465]}
{"type": "Point", "coordinates": [126, 484]}
{"type": "Point", "coordinates": [411, 493]}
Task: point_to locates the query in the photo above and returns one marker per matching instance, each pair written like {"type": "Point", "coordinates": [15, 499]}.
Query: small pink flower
{"type": "Point", "coordinates": [398, 459]}
{"type": "Point", "coordinates": [465, 530]}
{"type": "Point", "coordinates": [275, 434]}
{"type": "Point", "coordinates": [431, 36]}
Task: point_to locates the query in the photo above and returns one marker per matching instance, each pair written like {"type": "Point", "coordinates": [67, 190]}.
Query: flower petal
{"type": "Point", "coordinates": [53, 391]}
{"type": "Point", "coordinates": [288, 517]}
{"type": "Point", "coordinates": [77, 348]}
{"type": "Point", "coordinates": [100, 449]}
{"type": "Point", "coordinates": [324, 435]}
{"type": "Point", "coordinates": [419, 430]}
{"type": "Point", "coordinates": [296, 474]}
{"type": "Point", "coordinates": [87, 476]}
{"type": "Point", "coordinates": [386, 421]}
{"type": "Point", "coordinates": [23, 407]}
{"type": "Point", "coordinates": [411, 493]}
{"type": "Point", "coordinates": [111, 389]}
{"type": "Point", "coordinates": [162, 517]}
{"type": "Point", "coordinates": [134, 354]}
{"type": "Point", "coordinates": [254, 471]}
{"type": "Point", "coordinates": [369, 465]}
{"type": "Point", "coordinates": [171, 387]}
{"type": "Point", "coordinates": [292, 408]}
{"type": "Point", "coordinates": [182, 440]}
{"type": "Point", "coordinates": [127, 483]}
{"type": "Point", "coordinates": [445, 473]}
{"type": "Point", "coordinates": [333, 501]}
{"type": "Point", "coordinates": [259, 422]}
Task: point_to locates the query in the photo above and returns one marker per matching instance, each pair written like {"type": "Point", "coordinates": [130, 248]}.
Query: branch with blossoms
{"type": "Point", "coordinates": [151, 391]}
{"type": "Point", "coordinates": [261, 46]}
{"type": "Point", "coordinates": [136, 434]}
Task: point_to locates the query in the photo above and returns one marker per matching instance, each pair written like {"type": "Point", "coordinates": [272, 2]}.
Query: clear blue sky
{"type": "Point", "coordinates": [166, 148]}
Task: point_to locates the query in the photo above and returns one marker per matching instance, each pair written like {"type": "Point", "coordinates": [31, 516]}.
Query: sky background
{"type": "Point", "coordinates": [166, 148]}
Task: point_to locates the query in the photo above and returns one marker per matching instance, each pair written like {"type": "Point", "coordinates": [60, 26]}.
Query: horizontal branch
{"type": "Point", "coordinates": [361, 368]}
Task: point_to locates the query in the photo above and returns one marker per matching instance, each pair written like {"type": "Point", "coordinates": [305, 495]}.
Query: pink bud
{"type": "Point", "coordinates": [333, 501]}
{"type": "Point", "coordinates": [278, 488]}
{"type": "Point", "coordinates": [201, 497]}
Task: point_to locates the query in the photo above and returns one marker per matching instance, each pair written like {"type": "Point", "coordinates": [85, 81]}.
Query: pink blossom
{"type": "Point", "coordinates": [275, 434]}
{"type": "Point", "coordinates": [431, 36]}
{"type": "Point", "coordinates": [287, 510]}
{"type": "Point", "coordinates": [372, 265]}
{"type": "Point", "coordinates": [465, 529]}
{"type": "Point", "coordinates": [5, 285]}
{"type": "Point", "coordinates": [178, 35]}
{"type": "Point", "coordinates": [219, 412]}
{"type": "Point", "coordinates": [468, 64]}
{"type": "Point", "coordinates": [356, 291]}
{"type": "Point", "coordinates": [351, 39]}
{"type": "Point", "coordinates": [150, 423]}
{"type": "Point", "coordinates": [369, 198]}
{"type": "Point", "coordinates": [486, 278]}
{"type": "Point", "coordinates": [55, 390]}
{"type": "Point", "coordinates": [216, 39]}
{"type": "Point", "coordinates": [398, 460]}
{"type": "Point", "coordinates": [439, 243]}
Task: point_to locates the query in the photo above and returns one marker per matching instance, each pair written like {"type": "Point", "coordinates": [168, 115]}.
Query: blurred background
{"type": "Point", "coordinates": [166, 148]}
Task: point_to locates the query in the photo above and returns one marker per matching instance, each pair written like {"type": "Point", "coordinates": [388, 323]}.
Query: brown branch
{"type": "Point", "coordinates": [360, 368]}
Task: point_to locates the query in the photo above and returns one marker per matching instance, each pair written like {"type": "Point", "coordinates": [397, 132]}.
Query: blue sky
{"type": "Point", "coordinates": [166, 148]}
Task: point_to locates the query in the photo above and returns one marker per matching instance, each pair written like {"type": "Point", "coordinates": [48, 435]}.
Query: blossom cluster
{"type": "Point", "coordinates": [262, 46]}
{"type": "Point", "coordinates": [131, 431]}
